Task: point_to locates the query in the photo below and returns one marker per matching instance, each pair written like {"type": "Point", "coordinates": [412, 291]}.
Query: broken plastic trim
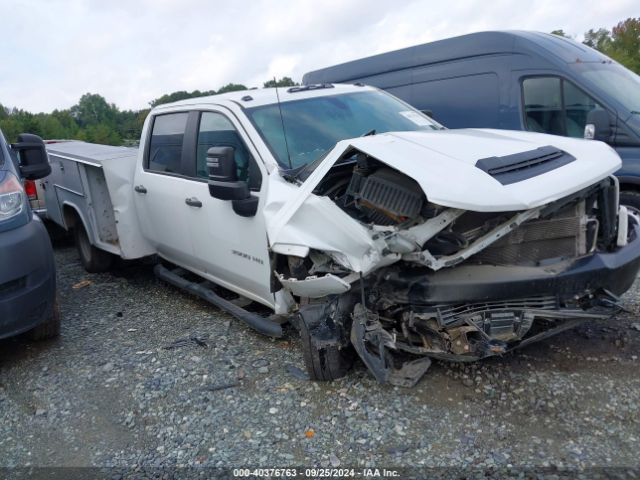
{"type": "Point", "coordinates": [406, 241]}
{"type": "Point", "coordinates": [316, 286]}
{"type": "Point", "coordinates": [365, 329]}
{"type": "Point", "coordinates": [426, 258]}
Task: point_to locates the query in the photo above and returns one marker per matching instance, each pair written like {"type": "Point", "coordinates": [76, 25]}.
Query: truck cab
{"type": "Point", "coordinates": [514, 80]}
{"type": "Point", "coordinates": [27, 274]}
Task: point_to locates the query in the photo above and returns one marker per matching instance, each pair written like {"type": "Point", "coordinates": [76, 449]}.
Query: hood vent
{"type": "Point", "coordinates": [524, 165]}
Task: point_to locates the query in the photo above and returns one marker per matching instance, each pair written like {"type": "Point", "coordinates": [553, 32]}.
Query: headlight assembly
{"type": "Point", "coordinates": [11, 197]}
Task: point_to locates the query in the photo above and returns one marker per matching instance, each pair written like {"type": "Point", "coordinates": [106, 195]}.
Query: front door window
{"type": "Point", "coordinates": [555, 105]}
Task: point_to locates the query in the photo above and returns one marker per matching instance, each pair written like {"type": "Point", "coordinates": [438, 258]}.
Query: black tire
{"type": "Point", "coordinates": [631, 199]}
{"type": "Point", "coordinates": [50, 328]}
{"type": "Point", "coordinates": [93, 259]}
{"type": "Point", "coordinates": [327, 363]}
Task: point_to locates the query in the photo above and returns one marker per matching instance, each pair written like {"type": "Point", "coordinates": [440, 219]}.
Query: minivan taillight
{"type": "Point", "coordinates": [30, 189]}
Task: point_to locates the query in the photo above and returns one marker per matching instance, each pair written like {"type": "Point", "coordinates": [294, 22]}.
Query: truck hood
{"type": "Point", "coordinates": [444, 164]}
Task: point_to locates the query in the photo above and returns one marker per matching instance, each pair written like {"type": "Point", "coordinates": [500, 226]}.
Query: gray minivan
{"type": "Point", "coordinates": [27, 270]}
{"type": "Point", "coordinates": [515, 80]}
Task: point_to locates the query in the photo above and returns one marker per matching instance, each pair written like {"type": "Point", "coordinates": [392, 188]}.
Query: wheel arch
{"type": "Point", "coordinates": [72, 215]}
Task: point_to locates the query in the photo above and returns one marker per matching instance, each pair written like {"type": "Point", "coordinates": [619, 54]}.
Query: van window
{"type": "Point", "coordinates": [216, 130]}
{"type": "Point", "coordinates": [554, 105]}
{"type": "Point", "coordinates": [165, 146]}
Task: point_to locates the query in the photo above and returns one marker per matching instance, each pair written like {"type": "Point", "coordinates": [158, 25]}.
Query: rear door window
{"type": "Point", "coordinates": [167, 139]}
{"type": "Point", "coordinates": [554, 105]}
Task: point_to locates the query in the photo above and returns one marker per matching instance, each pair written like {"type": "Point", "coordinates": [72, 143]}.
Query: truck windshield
{"type": "Point", "coordinates": [622, 84]}
{"type": "Point", "coordinates": [314, 125]}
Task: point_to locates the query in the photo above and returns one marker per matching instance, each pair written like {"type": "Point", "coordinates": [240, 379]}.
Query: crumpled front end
{"type": "Point", "coordinates": [418, 280]}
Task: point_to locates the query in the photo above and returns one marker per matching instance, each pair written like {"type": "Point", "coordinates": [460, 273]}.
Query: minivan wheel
{"type": "Point", "coordinates": [93, 259]}
{"type": "Point", "coordinates": [50, 328]}
{"type": "Point", "coordinates": [631, 200]}
{"type": "Point", "coordinates": [324, 363]}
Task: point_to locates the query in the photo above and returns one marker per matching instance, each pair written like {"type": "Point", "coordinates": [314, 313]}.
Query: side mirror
{"type": "Point", "coordinates": [598, 125]}
{"type": "Point", "coordinates": [32, 155]}
{"type": "Point", "coordinates": [224, 183]}
{"type": "Point", "coordinates": [223, 177]}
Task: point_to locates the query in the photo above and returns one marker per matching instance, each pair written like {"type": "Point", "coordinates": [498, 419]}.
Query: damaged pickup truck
{"type": "Point", "coordinates": [369, 226]}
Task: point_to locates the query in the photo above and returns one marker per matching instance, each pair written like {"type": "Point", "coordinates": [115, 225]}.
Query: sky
{"type": "Point", "coordinates": [132, 51]}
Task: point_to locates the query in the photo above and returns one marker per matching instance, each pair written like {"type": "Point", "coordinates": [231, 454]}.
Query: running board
{"type": "Point", "coordinates": [258, 323]}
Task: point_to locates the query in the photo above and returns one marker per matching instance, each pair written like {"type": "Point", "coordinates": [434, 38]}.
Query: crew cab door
{"type": "Point", "coordinates": [231, 250]}
{"type": "Point", "coordinates": [161, 188]}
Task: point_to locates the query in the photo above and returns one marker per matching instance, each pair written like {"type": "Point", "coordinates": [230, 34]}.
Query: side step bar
{"type": "Point", "coordinates": [258, 323]}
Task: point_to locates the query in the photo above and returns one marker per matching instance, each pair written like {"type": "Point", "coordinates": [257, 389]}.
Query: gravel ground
{"type": "Point", "coordinates": [108, 393]}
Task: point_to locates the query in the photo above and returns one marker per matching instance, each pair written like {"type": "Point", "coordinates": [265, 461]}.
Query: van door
{"type": "Point", "coordinates": [231, 250]}
{"type": "Point", "coordinates": [555, 105]}
{"type": "Point", "coordinates": [161, 188]}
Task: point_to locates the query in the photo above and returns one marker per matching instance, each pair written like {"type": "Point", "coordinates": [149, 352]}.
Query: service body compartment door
{"type": "Point", "coordinates": [64, 180]}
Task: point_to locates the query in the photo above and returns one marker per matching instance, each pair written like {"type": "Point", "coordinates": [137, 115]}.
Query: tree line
{"type": "Point", "coordinates": [95, 120]}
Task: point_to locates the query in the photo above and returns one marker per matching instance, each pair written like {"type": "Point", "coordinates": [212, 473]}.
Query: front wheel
{"type": "Point", "coordinates": [631, 200]}
{"type": "Point", "coordinates": [324, 360]}
{"type": "Point", "coordinates": [93, 259]}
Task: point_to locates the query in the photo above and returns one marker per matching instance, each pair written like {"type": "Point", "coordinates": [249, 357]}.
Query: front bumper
{"type": "Point", "coordinates": [27, 278]}
{"type": "Point", "coordinates": [613, 271]}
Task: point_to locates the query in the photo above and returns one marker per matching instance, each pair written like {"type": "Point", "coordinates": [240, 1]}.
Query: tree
{"type": "Point", "coordinates": [100, 133]}
{"type": "Point", "coordinates": [93, 109]}
{"type": "Point", "coordinates": [625, 46]}
{"type": "Point", "coordinates": [621, 44]}
{"type": "Point", "coordinates": [560, 33]}
{"type": "Point", "coordinates": [599, 39]}
{"type": "Point", "coordinates": [49, 126]}
{"type": "Point", "coordinates": [232, 87]}
{"type": "Point", "coordinates": [180, 95]}
{"type": "Point", "coordinates": [69, 124]}
{"type": "Point", "coordinates": [283, 82]}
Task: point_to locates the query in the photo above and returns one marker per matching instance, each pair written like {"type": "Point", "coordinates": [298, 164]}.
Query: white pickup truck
{"type": "Point", "coordinates": [370, 226]}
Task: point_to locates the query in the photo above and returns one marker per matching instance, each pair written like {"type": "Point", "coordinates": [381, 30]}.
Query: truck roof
{"type": "Point", "coordinates": [267, 96]}
{"type": "Point", "coordinates": [554, 48]}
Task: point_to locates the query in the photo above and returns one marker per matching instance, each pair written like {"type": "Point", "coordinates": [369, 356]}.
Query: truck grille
{"type": "Point", "coordinates": [451, 314]}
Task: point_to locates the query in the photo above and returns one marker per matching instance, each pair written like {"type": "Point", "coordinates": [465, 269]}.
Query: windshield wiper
{"type": "Point", "coordinates": [369, 133]}
{"type": "Point", "coordinates": [308, 167]}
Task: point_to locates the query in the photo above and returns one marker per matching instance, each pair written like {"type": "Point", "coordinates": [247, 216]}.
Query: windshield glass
{"type": "Point", "coordinates": [622, 84]}
{"type": "Point", "coordinates": [314, 125]}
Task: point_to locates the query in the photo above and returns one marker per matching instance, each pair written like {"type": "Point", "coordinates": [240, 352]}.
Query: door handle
{"type": "Point", "coordinates": [140, 189]}
{"type": "Point", "coordinates": [193, 202]}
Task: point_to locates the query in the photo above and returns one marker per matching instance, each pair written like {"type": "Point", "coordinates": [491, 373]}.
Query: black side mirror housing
{"type": "Point", "coordinates": [598, 126]}
{"type": "Point", "coordinates": [32, 155]}
{"type": "Point", "coordinates": [224, 183]}
{"type": "Point", "coordinates": [223, 178]}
